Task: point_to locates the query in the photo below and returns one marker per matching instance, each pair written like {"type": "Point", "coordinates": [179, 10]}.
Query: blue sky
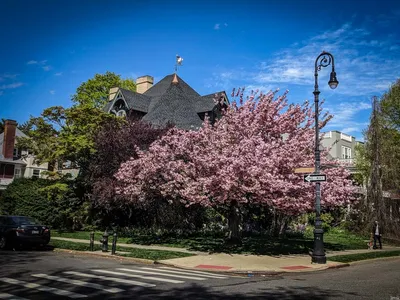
{"type": "Point", "coordinates": [50, 47]}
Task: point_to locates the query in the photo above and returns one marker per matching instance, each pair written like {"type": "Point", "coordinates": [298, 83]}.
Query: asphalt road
{"type": "Point", "coordinates": [48, 275]}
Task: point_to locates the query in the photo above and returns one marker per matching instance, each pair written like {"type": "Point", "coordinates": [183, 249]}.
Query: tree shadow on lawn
{"type": "Point", "coordinates": [250, 245]}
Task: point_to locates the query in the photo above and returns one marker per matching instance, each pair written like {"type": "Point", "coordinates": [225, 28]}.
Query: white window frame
{"type": "Point", "coordinates": [346, 152]}
{"type": "Point", "coordinates": [17, 173]}
{"type": "Point", "coordinates": [35, 175]}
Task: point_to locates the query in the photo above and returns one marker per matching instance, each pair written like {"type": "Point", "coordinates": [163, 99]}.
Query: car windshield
{"type": "Point", "coordinates": [24, 221]}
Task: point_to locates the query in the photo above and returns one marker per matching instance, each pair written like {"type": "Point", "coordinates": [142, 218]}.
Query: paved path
{"type": "Point", "coordinates": [150, 247]}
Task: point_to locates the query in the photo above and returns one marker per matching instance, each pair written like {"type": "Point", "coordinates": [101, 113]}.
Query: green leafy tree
{"type": "Point", "coordinates": [67, 134]}
{"type": "Point", "coordinates": [379, 160]}
{"type": "Point", "coordinates": [52, 202]}
{"type": "Point", "coordinates": [390, 106]}
{"type": "Point", "coordinates": [94, 92]}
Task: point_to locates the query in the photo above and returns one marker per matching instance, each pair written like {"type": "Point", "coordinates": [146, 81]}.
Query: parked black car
{"type": "Point", "coordinates": [20, 230]}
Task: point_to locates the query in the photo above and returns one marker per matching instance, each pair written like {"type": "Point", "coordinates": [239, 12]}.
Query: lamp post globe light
{"type": "Point", "coordinates": [325, 59]}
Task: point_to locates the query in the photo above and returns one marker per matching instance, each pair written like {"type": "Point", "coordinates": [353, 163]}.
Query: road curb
{"type": "Point", "coordinates": [342, 265]}
{"type": "Point", "coordinates": [224, 272]}
{"type": "Point", "coordinates": [115, 257]}
{"type": "Point", "coordinates": [253, 273]}
{"type": "Point", "coordinates": [373, 259]}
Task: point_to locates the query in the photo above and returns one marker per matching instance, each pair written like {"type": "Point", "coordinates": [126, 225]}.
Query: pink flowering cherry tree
{"type": "Point", "coordinates": [248, 156]}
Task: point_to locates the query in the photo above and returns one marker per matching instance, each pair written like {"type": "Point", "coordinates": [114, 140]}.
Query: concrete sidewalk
{"type": "Point", "coordinates": [240, 263]}
{"type": "Point", "coordinates": [150, 247]}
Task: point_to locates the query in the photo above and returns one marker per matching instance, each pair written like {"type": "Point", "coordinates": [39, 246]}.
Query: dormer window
{"type": "Point", "coordinates": [17, 153]}
{"type": "Point", "coordinates": [121, 113]}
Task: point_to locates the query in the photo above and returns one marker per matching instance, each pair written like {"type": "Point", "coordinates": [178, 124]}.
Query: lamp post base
{"type": "Point", "coordinates": [318, 255]}
{"type": "Point", "coordinates": [316, 259]}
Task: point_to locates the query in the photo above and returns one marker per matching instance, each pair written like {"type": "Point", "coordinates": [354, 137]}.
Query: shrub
{"type": "Point", "coordinates": [52, 202]}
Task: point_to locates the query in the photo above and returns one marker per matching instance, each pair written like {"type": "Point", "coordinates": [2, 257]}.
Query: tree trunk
{"type": "Point", "coordinates": [234, 220]}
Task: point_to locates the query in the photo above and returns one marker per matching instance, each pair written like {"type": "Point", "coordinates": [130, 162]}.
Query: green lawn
{"type": "Point", "coordinates": [333, 241]}
{"type": "Point", "coordinates": [363, 256]}
{"type": "Point", "coordinates": [130, 252]}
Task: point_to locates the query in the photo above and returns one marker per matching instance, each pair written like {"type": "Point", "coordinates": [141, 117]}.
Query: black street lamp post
{"type": "Point", "coordinates": [323, 60]}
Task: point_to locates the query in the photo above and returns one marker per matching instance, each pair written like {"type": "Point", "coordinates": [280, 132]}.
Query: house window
{"type": "Point", "coordinates": [36, 173]}
{"type": "Point", "coordinates": [16, 153]}
{"type": "Point", "coordinates": [346, 152]}
{"type": "Point", "coordinates": [17, 173]}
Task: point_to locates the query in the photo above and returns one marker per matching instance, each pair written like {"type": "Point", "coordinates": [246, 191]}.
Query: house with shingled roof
{"type": "Point", "coordinates": [171, 100]}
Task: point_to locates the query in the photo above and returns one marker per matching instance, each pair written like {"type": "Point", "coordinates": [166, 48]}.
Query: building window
{"type": "Point", "coordinates": [17, 153]}
{"type": "Point", "coordinates": [36, 173]}
{"type": "Point", "coordinates": [346, 152]}
{"type": "Point", "coordinates": [17, 173]}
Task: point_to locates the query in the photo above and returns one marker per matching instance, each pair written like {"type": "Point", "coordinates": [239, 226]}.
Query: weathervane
{"type": "Point", "coordinates": [178, 63]}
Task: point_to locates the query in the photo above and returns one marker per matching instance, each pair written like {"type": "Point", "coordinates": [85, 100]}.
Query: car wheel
{"type": "Point", "coordinates": [3, 243]}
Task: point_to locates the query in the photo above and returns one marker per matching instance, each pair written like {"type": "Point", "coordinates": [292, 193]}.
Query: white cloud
{"type": "Point", "coordinates": [226, 24]}
{"type": "Point", "coordinates": [345, 116]}
{"type": "Point", "coordinates": [7, 76]}
{"type": "Point", "coordinates": [217, 26]}
{"type": "Point", "coordinates": [365, 66]}
{"type": "Point", "coordinates": [52, 92]}
{"type": "Point", "coordinates": [11, 85]}
{"type": "Point", "coordinates": [361, 64]}
{"type": "Point", "coordinates": [41, 63]}
{"type": "Point", "coordinates": [58, 74]}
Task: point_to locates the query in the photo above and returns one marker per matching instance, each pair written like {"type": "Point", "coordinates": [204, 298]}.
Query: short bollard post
{"type": "Point", "coordinates": [104, 242]}
{"type": "Point", "coordinates": [114, 243]}
{"type": "Point", "coordinates": [92, 241]}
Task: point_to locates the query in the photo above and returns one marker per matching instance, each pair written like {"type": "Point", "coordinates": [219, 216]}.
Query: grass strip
{"type": "Point", "coordinates": [364, 256]}
{"type": "Point", "coordinates": [85, 235]}
{"type": "Point", "coordinates": [335, 240]}
{"type": "Point", "coordinates": [129, 252]}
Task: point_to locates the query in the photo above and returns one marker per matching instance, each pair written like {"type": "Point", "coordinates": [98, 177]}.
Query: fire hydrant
{"type": "Point", "coordinates": [104, 242]}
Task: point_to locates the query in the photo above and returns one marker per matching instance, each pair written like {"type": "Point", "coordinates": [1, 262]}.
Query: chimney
{"type": "Point", "coordinates": [112, 93]}
{"type": "Point", "coordinates": [143, 83]}
{"type": "Point", "coordinates": [10, 128]}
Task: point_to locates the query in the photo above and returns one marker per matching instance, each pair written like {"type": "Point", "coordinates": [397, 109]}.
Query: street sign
{"type": "Point", "coordinates": [304, 170]}
{"type": "Point", "coordinates": [314, 177]}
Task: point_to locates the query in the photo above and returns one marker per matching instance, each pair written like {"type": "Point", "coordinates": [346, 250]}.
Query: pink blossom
{"type": "Point", "coordinates": [249, 156]}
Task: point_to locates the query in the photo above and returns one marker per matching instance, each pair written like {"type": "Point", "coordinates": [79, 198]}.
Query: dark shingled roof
{"type": "Point", "coordinates": [175, 106]}
{"type": "Point", "coordinates": [136, 101]}
{"type": "Point", "coordinates": [171, 102]}
{"type": "Point", "coordinates": [206, 103]}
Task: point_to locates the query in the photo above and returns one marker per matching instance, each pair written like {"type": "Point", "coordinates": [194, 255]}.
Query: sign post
{"type": "Point", "coordinates": [314, 177]}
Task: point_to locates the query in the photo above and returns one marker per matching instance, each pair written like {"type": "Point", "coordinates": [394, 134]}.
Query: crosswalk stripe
{"type": "Point", "coordinates": [79, 282]}
{"type": "Point", "coordinates": [120, 280]}
{"type": "Point", "coordinates": [190, 272]}
{"type": "Point", "coordinates": [139, 276]}
{"type": "Point", "coordinates": [42, 288]}
{"type": "Point", "coordinates": [154, 272]}
{"type": "Point", "coordinates": [6, 296]}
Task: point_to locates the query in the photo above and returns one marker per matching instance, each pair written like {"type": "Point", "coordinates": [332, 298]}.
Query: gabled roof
{"type": "Point", "coordinates": [207, 102]}
{"type": "Point", "coordinates": [168, 100]}
{"type": "Point", "coordinates": [135, 100]}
